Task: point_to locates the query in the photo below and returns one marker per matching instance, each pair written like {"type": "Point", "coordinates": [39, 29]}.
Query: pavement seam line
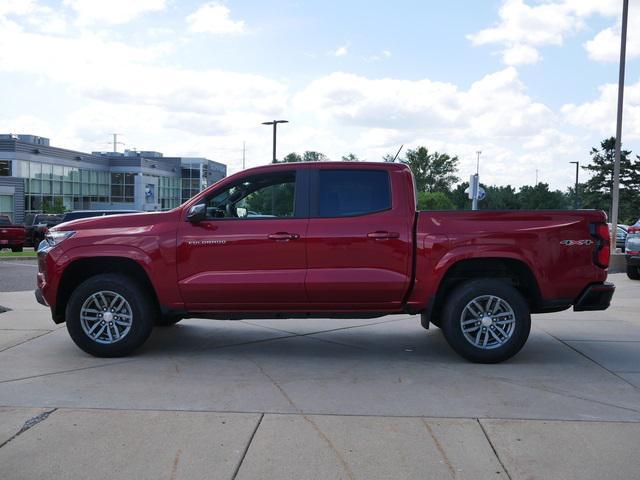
{"type": "Point", "coordinates": [590, 359]}
{"type": "Point", "coordinates": [321, 414]}
{"type": "Point", "coordinates": [452, 470]}
{"type": "Point", "coordinates": [321, 434]}
{"type": "Point", "coordinates": [27, 340]}
{"type": "Point", "coordinates": [495, 452]}
{"type": "Point", "coordinates": [30, 423]}
{"type": "Point", "coordinates": [246, 448]}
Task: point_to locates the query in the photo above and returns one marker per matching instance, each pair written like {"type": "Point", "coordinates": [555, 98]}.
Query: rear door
{"type": "Point", "coordinates": [249, 253]}
{"type": "Point", "coordinates": [359, 239]}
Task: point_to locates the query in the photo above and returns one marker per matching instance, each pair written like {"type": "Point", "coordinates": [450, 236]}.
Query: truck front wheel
{"type": "Point", "coordinates": [486, 321]}
{"type": "Point", "coordinates": [109, 315]}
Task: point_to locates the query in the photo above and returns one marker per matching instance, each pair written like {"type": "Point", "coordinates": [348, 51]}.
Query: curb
{"type": "Point", "coordinates": [12, 259]}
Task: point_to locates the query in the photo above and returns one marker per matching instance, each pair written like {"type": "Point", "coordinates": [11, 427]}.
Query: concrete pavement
{"type": "Point", "coordinates": [373, 398]}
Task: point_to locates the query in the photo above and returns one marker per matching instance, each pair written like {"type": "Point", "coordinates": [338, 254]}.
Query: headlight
{"type": "Point", "coordinates": [55, 237]}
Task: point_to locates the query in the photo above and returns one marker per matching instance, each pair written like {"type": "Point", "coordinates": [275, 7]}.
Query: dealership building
{"type": "Point", "coordinates": [34, 176]}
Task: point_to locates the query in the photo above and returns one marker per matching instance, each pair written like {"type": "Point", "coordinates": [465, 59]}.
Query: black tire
{"type": "Point", "coordinates": [633, 272]}
{"type": "Point", "coordinates": [16, 249]}
{"type": "Point", "coordinates": [167, 321]}
{"type": "Point", "coordinates": [462, 296]}
{"type": "Point", "coordinates": [143, 314]}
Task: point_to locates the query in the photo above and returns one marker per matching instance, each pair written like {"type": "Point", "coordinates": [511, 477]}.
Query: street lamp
{"type": "Point", "coordinates": [577, 204]}
{"type": "Point", "coordinates": [616, 166]}
{"type": "Point", "coordinates": [275, 125]}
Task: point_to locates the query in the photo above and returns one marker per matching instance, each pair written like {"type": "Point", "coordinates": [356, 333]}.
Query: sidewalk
{"type": "Point", "coordinates": [279, 399]}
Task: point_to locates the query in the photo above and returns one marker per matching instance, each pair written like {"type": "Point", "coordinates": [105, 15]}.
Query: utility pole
{"type": "Point", "coordinates": [116, 142]}
{"type": "Point", "coordinates": [616, 166]}
{"type": "Point", "coordinates": [536, 176]}
{"type": "Point", "coordinates": [244, 148]}
{"type": "Point", "coordinates": [275, 125]}
{"type": "Point", "coordinates": [478, 162]}
{"type": "Point", "coordinates": [577, 201]}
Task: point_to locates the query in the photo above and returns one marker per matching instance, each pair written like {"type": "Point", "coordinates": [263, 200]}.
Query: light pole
{"type": "Point", "coordinates": [275, 125]}
{"type": "Point", "coordinates": [577, 202]}
{"type": "Point", "coordinates": [616, 165]}
{"type": "Point", "coordinates": [475, 184]}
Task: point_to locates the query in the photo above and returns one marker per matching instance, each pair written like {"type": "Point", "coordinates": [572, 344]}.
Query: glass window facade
{"type": "Point", "coordinates": [77, 188]}
{"type": "Point", "coordinates": [191, 180]}
{"type": "Point", "coordinates": [6, 206]}
{"type": "Point", "coordinates": [5, 168]}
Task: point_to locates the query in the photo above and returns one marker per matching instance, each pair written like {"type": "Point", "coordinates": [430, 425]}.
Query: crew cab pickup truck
{"type": "Point", "coordinates": [323, 239]}
{"type": "Point", "coordinates": [11, 236]}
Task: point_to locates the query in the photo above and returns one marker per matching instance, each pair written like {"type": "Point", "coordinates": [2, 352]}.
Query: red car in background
{"type": "Point", "coordinates": [11, 236]}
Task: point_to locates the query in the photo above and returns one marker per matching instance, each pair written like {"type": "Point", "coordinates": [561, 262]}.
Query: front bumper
{"type": "Point", "coordinates": [40, 298]}
{"type": "Point", "coordinates": [595, 297]}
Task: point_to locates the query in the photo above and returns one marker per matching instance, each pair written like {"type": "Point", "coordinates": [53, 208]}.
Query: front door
{"type": "Point", "coordinates": [249, 252]}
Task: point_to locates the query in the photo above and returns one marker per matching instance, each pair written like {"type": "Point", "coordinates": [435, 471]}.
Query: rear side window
{"type": "Point", "coordinates": [345, 193]}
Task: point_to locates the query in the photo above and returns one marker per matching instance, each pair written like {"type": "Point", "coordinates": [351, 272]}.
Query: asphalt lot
{"type": "Point", "coordinates": [17, 275]}
{"type": "Point", "coordinates": [378, 398]}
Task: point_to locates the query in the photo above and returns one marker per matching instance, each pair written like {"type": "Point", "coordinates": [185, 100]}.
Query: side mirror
{"type": "Point", "coordinates": [197, 213]}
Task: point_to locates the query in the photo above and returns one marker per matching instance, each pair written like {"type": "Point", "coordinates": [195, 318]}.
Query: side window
{"type": "Point", "coordinates": [344, 193]}
{"type": "Point", "coordinates": [262, 196]}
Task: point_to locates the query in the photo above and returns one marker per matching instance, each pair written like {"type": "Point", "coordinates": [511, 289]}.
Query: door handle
{"type": "Point", "coordinates": [283, 236]}
{"type": "Point", "coordinates": [380, 235]}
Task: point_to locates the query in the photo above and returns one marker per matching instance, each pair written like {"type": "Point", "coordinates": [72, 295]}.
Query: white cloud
{"type": "Point", "coordinates": [383, 55]}
{"type": "Point", "coordinates": [599, 115]}
{"type": "Point", "coordinates": [605, 46]}
{"type": "Point", "coordinates": [214, 18]}
{"type": "Point", "coordinates": [341, 51]}
{"type": "Point", "coordinates": [521, 55]}
{"type": "Point", "coordinates": [524, 28]}
{"type": "Point", "coordinates": [112, 11]}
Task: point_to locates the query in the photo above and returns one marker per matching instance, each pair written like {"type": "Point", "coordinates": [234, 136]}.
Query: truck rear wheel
{"type": "Point", "coordinates": [109, 315]}
{"type": "Point", "coordinates": [16, 249]}
{"type": "Point", "coordinates": [486, 321]}
{"type": "Point", "coordinates": [633, 272]}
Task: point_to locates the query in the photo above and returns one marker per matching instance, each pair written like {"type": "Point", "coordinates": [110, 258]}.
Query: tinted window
{"type": "Point", "coordinates": [353, 192]}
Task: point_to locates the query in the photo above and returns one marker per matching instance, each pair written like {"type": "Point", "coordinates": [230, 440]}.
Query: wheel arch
{"type": "Point", "coordinates": [513, 271]}
{"type": "Point", "coordinates": [81, 269]}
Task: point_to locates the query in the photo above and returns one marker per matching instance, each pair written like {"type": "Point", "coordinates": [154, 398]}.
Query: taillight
{"type": "Point", "coordinates": [602, 252]}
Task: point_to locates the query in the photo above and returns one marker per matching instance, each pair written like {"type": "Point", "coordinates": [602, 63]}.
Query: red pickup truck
{"type": "Point", "coordinates": [11, 236]}
{"type": "Point", "coordinates": [324, 240]}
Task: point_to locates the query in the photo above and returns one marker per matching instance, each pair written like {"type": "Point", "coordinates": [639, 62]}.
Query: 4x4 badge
{"type": "Point", "coordinates": [574, 243]}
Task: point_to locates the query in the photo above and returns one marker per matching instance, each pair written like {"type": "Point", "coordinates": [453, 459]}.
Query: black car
{"type": "Point", "coordinates": [75, 215]}
{"type": "Point", "coordinates": [36, 225]}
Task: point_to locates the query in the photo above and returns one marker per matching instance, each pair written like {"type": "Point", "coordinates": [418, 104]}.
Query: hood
{"type": "Point", "coordinates": [117, 221]}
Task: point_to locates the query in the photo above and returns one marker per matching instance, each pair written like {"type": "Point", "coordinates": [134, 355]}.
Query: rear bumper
{"type": "Point", "coordinates": [595, 297]}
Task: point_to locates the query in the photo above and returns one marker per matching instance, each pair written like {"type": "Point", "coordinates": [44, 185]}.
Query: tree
{"type": "Point", "coordinates": [500, 198]}
{"type": "Point", "coordinates": [596, 192]}
{"type": "Point", "coordinates": [434, 201]}
{"type": "Point", "coordinates": [434, 172]}
{"type": "Point", "coordinates": [292, 158]}
{"type": "Point", "coordinates": [311, 156]}
{"type": "Point", "coordinates": [540, 197]}
{"type": "Point", "coordinates": [350, 158]}
{"type": "Point", "coordinates": [57, 207]}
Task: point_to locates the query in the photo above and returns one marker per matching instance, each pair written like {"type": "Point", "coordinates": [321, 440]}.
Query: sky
{"type": "Point", "coordinates": [532, 84]}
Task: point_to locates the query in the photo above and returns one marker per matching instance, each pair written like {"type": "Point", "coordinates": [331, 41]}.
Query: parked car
{"type": "Point", "coordinates": [340, 240]}
{"type": "Point", "coordinates": [36, 226]}
{"type": "Point", "coordinates": [621, 236]}
{"type": "Point", "coordinates": [11, 236]}
{"type": "Point", "coordinates": [76, 214]}
{"type": "Point", "coordinates": [633, 253]}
